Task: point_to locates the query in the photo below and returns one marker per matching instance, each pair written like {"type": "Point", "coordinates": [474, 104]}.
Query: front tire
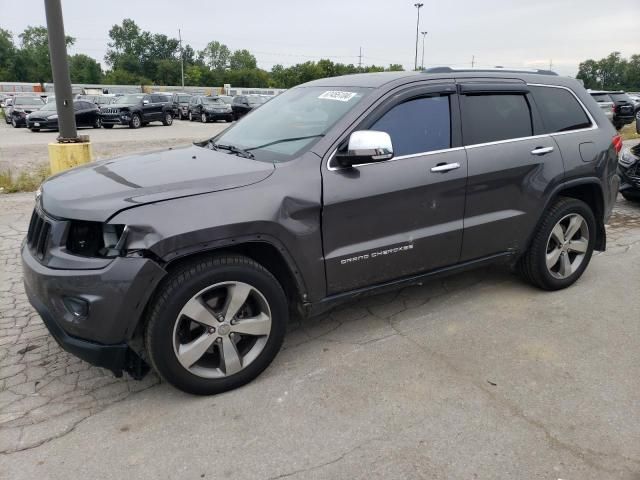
{"type": "Point", "coordinates": [216, 324]}
{"type": "Point", "coordinates": [136, 121]}
{"type": "Point", "coordinates": [109, 125]}
{"type": "Point", "coordinates": [34, 129]}
{"type": "Point", "coordinates": [630, 197]}
{"type": "Point", "coordinates": [562, 247]}
{"type": "Point", "coordinates": [190, 116]}
{"type": "Point", "coordinates": [14, 124]}
{"type": "Point", "coordinates": [97, 123]}
{"type": "Point", "coordinates": [203, 118]}
{"type": "Point", "coordinates": [168, 119]}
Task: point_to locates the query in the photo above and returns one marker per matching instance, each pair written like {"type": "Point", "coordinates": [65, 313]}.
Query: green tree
{"type": "Point", "coordinates": [395, 67]}
{"type": "Point", "coordinates": [215, 55]}
{"type": "Point", "coordinates": [242, 60]}
{"type": "Point", "coordinates": [7, 56]}
{"type": "Point", "coordinates": [84, 69]}
{"type": "Point", "coordinates": [34, 62]}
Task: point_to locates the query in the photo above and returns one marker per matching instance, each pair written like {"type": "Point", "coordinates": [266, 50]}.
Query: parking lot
{"type": "Point", "coordinates": [475, 376]}
{"type": "Point", "coordinates": [23, 150]}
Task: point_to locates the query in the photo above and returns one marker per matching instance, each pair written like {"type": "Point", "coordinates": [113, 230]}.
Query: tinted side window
{"type": "Point", "coordinates": [493, 117]}
{"type": "Point", "coordinates": [560, 110]}
{"type": "Point", "coordinates": [418, 125]}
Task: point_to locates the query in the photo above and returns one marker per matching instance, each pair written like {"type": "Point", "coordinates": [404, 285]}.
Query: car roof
{"type": "Point", "coordinates": [378, 79]}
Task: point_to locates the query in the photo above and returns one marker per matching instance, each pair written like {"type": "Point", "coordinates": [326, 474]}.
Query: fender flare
{"type": "Point", "coordinates": [234, 242]}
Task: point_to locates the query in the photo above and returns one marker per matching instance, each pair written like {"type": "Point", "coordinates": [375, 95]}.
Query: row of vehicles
{"type": "Point", "coordinates": [133, 110]}
{"type": "Point", "coordinates": [621, 108]}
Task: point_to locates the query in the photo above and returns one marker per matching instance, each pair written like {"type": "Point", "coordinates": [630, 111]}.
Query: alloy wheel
{"type": "Point", "coordinates": [567, 246]}
{"type": "Point", "coordinates": [222, 329]}
{"type": "Point", "coordinates": [203, 118]}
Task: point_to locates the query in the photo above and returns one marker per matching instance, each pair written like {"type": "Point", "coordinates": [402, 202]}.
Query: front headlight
{"type": "Point", "coordinates": [53, 117]}
{"type": "Point", "coordinates": [95, 239]}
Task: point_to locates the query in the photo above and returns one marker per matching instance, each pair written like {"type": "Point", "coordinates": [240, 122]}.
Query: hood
{"type": "Point", "coordinates": [99, 190]}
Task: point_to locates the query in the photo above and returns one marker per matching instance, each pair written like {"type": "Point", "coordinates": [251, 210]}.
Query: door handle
{"type": "Point", "coordinates": [445, 167]}
{"type": "Point", "coordinates": [541, 150]}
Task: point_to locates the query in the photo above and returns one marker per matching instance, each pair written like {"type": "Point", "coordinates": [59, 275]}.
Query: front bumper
{"type": "Point", "coordinates": [115, 119]}
{"type": "Point", "coordinates": [219, 115]}
{"type": "Point", "coordinates": [42, 123]}
{"type": "Point", "coordinates": [21, 120]}
{"type": "Point", "coordinates": [115, 297]}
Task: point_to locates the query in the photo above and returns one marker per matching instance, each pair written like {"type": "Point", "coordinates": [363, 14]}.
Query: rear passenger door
{"type": "Point", "coordinates": [512, 165]}
{"type": "Point", "coordinates": [391, 219]}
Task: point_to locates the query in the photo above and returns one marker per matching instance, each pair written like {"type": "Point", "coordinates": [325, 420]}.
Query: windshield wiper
{"type": "Point", "coordinates": [283, 140]}
{"type": "Point", "coordinates": [233, 149]}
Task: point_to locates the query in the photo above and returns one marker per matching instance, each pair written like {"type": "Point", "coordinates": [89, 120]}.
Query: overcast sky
{"type": "Point", "coordinates": [511, 33]}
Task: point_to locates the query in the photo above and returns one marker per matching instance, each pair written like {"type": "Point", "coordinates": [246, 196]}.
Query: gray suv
{"type": "Point", "coordinates": [191, 260]}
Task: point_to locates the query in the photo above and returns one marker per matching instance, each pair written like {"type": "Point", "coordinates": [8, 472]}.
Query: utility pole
{"type": "Point", "coordinates": [60, 71]}
{"type": "Point", "coordinates": [360, 59]}
{"type": "Point", "coordinates": [418, 6]}
{"type": "Point", "coordinates": [424, 34]}
{"type": "Point", "coordinates": [473, 61]}
{"type": "Point", "coordinates": [550, 64]}
{"type": "Point", "coordinates": [181, 57]}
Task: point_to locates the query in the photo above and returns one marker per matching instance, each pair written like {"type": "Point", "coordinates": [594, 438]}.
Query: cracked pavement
{"type": "Point", "coordinates": [476, 375]}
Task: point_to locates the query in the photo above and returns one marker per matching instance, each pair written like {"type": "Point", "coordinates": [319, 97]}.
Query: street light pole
{"type": "Point", "coordinates": [424, 34]}
{"type": "Point", "coordinates": [418, 6]}
{"type": "Point", "coordinates": [60, 70]}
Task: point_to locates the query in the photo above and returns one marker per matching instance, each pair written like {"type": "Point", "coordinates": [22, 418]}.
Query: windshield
{"type": "Point", "coordinates": [184, 98]}
{"type": "Point", "coordinates": [128, 99]}
{"type": "Point", "coordinates": [226, 99]}
{"type": "Point", "coordinates": [601, 97]}
{"type": "Point", "coordinates": [620, 97]}
{"type": "Point", "coordinates": [256, 100]}
{"type": "Point", "coordinates": [103, 100]}
{"type": "Point", "coordinates": [48, 107]}
{"type": "Point", "coordinates": [307, 112]}
{"type": "Point", "coordinates": [211, 100]}
{"type": "Point", "coordinates": [27, 101]}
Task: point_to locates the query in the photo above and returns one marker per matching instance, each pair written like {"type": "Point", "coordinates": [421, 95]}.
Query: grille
{"type": "Point", "coordinates": [634, 171]}
{"type": "Point", "coordinates": [112, 111]}
{"type": "Point", "coordinates": [38, 234]}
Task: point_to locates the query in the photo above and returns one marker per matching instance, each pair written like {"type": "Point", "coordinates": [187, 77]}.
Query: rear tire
{"type": "Point", "coordinates": [108, 125]}
{"type": "Point", "coordinates": [34, 129]}
{"type": "Point", "coordinates": [97, 123]}
{"type": "Point", "coordinates": [203, 118]}
{"type": "Point", "coordinates": [168, 119]}
{"type": "Point", "coordinates": [558, 255]}
{"type": "Point", "coordinates": [191, 116]}
{"type": "Point", "coordinates": [212, 285]}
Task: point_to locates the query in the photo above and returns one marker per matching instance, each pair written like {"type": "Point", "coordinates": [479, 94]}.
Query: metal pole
{"type": "Point", "coordinates": [424, 34]}
{"type": "Point", "coordinates": [418, 6]}
{"type": "Point", "coordinates": [181, 58]}
{"type": "Point", "coordinates": [60, 70]}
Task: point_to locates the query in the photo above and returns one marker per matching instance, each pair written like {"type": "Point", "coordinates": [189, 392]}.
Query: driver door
{"type": "Point", "coordinates": [396, 218]}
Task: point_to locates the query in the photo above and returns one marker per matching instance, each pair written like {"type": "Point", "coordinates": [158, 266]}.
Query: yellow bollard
{"type": "Point", "coordinates": [63, 156]}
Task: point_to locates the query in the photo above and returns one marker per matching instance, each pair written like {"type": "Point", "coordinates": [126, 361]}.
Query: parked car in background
{"type": "Point", "coordinates": [190, 259]}
{"type": "Point", "coordinates": [604, 102]}
{"type": "Point", "coordinates": [21, 107]}
{"type": "Point", "coordinates": [87, 115]}
{"type": "Point", "coordinates": [204, 109]}
{"type": "Point", "coordinates": [180, 104]}
{"type": "Point", "coordinates": [624, 110]}
{"type": "Point", "coordinates": [226, 99]}
{"type": "Point", "coordinates": [50, 99]}
{"type": "Point", "coordinates": [6, 109]}
{"type": "Point", "coordinates": [243, 104]}
{"type": "Point", "coordinates": [137, 110]}
{"type": "Point", "coordinates": [629, 171]}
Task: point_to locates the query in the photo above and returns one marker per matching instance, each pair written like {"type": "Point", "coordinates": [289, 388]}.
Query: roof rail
{"type": "Point", "coordinates": [479, 70]}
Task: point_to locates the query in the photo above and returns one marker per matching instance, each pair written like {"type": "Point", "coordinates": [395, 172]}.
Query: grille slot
{"type": "Point", "coordinates": [38, 234]}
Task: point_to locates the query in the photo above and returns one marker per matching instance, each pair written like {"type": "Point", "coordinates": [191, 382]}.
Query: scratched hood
{"type": "Point", "coordinates": [98, 190]}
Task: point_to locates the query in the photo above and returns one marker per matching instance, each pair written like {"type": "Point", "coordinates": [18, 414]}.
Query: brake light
{"type": "Point", "coordinates": [617, 143]}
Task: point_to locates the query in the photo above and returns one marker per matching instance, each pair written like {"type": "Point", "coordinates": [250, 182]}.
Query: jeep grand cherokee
{"type": "Point", "coordinates": [192, 259]}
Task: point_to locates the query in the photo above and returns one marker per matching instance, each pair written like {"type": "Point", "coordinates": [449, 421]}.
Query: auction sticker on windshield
{"type": "Point", "coordinates": [337, 95]}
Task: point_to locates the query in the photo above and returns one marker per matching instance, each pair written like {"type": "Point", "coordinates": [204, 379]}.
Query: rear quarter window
{"type": "Point", "coordinates": [494, 117]}
{"type": "Point", "coordinates": [560, 110]}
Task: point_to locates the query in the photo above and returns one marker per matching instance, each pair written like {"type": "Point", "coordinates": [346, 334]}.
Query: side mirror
{"type": "Point", "coordinates": [366, 146]}
{"type": "Point", "coordinates": [145, 102]}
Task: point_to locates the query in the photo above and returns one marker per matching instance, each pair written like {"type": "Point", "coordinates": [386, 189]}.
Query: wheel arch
{"type": "Point", "coordinates": [589, 190]}
{"type": "Point", "coordinates": [262, 249]}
